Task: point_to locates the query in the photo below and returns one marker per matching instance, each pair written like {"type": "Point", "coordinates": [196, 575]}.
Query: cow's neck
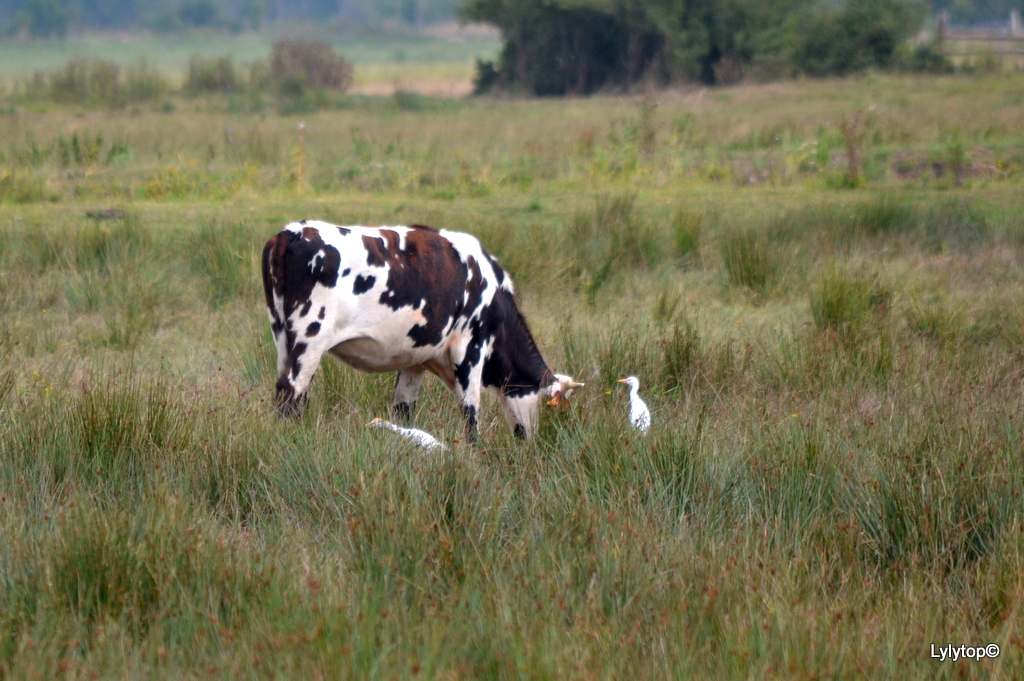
{"type": "Point", "coordinates": [515, 365]}
{"type": "Point", "coordinates": [525, 370]}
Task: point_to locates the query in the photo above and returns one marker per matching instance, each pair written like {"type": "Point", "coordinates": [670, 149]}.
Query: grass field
{"type": "Point", "coordinates": [818, 283]}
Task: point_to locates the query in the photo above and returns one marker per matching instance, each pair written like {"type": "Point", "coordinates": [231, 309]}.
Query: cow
{"type": "Point", "coordinates": [407, 299]}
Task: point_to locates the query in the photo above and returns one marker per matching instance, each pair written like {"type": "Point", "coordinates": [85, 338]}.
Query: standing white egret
{"type": "Point", "coordinates": [420, 438]}
{"type": "Point", "coordinates": [639, 414]}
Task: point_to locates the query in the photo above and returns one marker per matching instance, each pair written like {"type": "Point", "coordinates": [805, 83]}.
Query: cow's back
{"type": "Point", "coordinates": [411, 290]}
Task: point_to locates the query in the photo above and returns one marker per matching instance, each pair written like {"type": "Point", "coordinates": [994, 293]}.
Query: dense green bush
{"type": "Point", "coordinates": [576, 48]}
{"type": "Point", "coordinates": [853, 36]}
{"type": "Point", "coordinates": [211, 75]}
{"type": "Point", "coordinates": [96, 82]}
{"type": "Point", "coordinates": [301, 64]}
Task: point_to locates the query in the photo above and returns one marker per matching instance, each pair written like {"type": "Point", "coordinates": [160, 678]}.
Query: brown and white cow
{"type": "Point", "coordinates": [407, 299]}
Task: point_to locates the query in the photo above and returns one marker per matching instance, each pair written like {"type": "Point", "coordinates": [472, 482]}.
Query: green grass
{"type": "Point", "coordinates": [832, 479]}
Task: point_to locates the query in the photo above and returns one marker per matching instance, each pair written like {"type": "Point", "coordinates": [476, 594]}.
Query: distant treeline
{"type": "Point", "coordinates": [968, 12]}
{"type": "Point", "coordinates": [56, 18]}
{"type": "Point", "coordinates": [556, 47]}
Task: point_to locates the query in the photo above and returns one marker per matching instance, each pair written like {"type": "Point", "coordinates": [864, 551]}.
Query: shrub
{"type": "Point", "coordinates": [682, 353]}
{"type": "Point", "coordinates": [750, 261]}
{"type": "Point", "coordinates": [925, 58]}
{"type": "Point", "coordinates": [954, 224]}
{"type": "Point", "coordinates": [211, 75]}
{"type": "Point", "coordinates": [686, 229]}
{"type": "Point", "coordinates": [885, 216]}
{"type": "Point", "coordinates": [225, 256]}
{"type": "Point", "coordinates": [404, 100]}
{"type": "Point", "coordinates": [85, 81]}
{"type": "Point", "coordinates": [846, 304]}
{"type": "Point", "coordinates": [23, 186]}
{"type": "Point", "coordinates": [143, 82]}
{"type": "Point", "coordinates": [71, 85]}
{"type": "Point", "coordinates": [79, 151]}
{"type": "Point", "coordinates": [300, 64]}
{"type": "Point", "coordinates": [935, 321]}
{"type": "Point", "coordinates": [485, 78]}
{"type": "Point", "coordinates": [596, 246]}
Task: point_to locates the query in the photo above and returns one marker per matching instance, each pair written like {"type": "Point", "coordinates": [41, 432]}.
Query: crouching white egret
{"type": "Point", "coordinates": [420, 438]}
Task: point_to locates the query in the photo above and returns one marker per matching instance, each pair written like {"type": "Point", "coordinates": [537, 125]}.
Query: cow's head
{"type": "Point", "coordinates": [560, 390]}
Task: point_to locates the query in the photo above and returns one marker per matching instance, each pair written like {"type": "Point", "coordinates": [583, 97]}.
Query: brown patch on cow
{"type": "Point", "coordinates": [313, 329]}
{"type": "Point", "coordinates": [305, 308]}
{"type": "Point", "coordinates": [292, 267]}
{"type": "Point", "coordinates": [323, 311]}
{"type": "Point", "coordinates": [427, 227]}
{"type": "Point", "coordinates": [378, 247]}
{"type": "Point", "coordinates": [268, 263]}
{"type": "Point", "coordinates": [297, 264]}
{"type": "Point", "coordinates": [428, 276]}
{"type": "Point", "coordinates": [274, 258]}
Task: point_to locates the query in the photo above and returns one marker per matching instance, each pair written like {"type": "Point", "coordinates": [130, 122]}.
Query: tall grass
{"type": "Point", "coordinates": [828, 487]}
{"type": "Point", "coordinates": [750, 260]}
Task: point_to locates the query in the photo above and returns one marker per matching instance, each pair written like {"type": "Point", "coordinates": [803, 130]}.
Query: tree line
{"type": "Point", "coordinates": [559, 47]}
{"type": "Point", "coordinates": [57, 18]}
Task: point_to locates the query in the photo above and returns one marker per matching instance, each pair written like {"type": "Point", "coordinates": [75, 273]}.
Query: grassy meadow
{"type": "Point", "coordinates": [819, 285]}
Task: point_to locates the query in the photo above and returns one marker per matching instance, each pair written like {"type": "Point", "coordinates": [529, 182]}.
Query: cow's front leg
{"type": "Point", "coordinates": [469, 412]}
{"type": "Point", "coordinates": [470, 399]}
{"type": "Point", "coordinates": [407, 392]}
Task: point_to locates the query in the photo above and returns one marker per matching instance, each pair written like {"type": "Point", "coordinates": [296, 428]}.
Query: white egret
{"type": "Point", "coordinates": [420, 438]}
{"type": "Point", "coordinates": [639, 414]}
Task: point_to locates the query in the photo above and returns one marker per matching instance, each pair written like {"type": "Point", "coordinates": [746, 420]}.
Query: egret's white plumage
{"type": "Point", "coordinates": [420, 438]}
{"type": "Point", "coordinates": [639, 414]}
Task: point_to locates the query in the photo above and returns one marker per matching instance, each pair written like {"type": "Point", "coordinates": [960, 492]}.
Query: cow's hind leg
{"type": "Point", "coordinates": [407, 392]}
{"type": "Point", "coordinates": [293, 382]}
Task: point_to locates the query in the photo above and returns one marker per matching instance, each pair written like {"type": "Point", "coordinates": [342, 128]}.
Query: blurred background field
{"type": "Point", "coordinates": [440, 61]}
{"type": "Point", "coordinates": [818, 282]}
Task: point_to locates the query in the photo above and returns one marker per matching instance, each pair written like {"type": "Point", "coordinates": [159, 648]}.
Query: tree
{"type": "Point", "coordinates": [199, 13]}
{"type": "Point", "coordinates": [555, 47]}
{"type": "Point", "coordinates": [45, 19]}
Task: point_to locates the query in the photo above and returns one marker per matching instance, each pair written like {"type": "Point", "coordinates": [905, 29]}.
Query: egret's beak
{"type": "Point", "coordinates": [376, 420]}
{"type": "Point", "coordinates": [623, 380]}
